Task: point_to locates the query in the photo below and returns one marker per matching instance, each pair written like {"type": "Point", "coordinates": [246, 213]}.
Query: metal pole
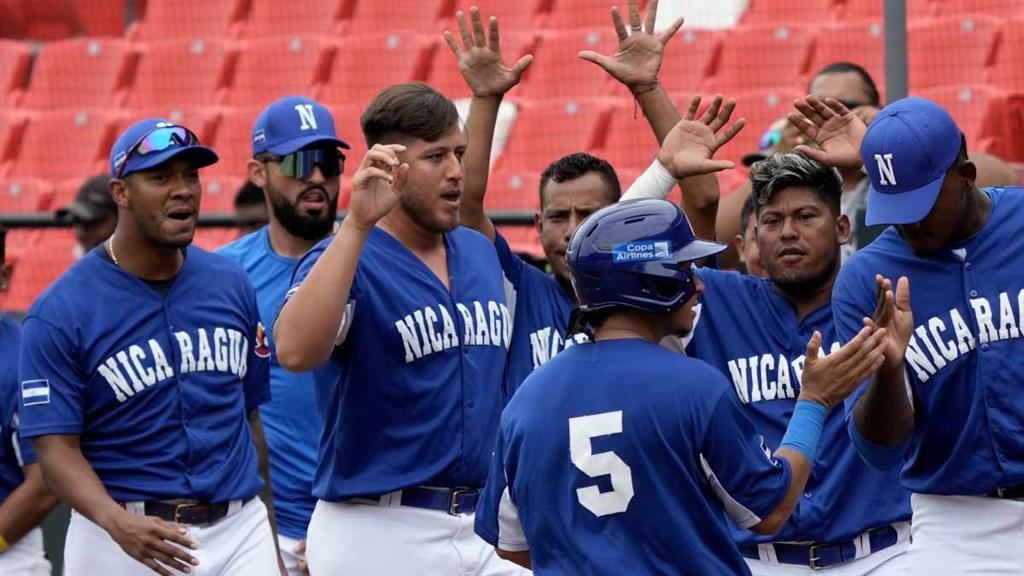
{"type": "Point", "coordinates": [895, 49]}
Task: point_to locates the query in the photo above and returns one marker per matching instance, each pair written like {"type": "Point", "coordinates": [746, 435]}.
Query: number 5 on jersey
{"type": "Point", "coordinates": [581, 430]}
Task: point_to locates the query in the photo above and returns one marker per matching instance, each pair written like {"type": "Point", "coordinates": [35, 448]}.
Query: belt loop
{"type": "Point", "coordinates": [233, 506]}
{"type": "Point", "coordinates": [394, 499]}
{"type": "Point", "coordinates": [136, 508]}
{"type": "Point", "coordinates": [767, 553]}
{"type": "Point", "coordinates": [862, 545]}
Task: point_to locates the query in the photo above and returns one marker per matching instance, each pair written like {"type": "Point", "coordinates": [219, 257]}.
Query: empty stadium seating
{"type": "Point", "coordinates": [15, 58]}
{"type": "Point", "coordinates": [950, 51]}
{"type": "Point", "coordinates": [219, 192]}
{"type": "Point", "coordinates": [522, 15]}
{"type": "Point", "coordinates": [25, 195]}
{"type": "Point", "coordinates": [771, 11]}
{"type": "Point", "coordinates": [547, 130]}
{"type": "Point", "coordinates": [39, 257]}
{"type": "Point", "coordinates": [629, 142]}
{"type": "Point", "coordinates": [78, 73]}
{"type": "Point", "coordinates": [269, 68]}
{"type": "Point", "coordinates": [591, 13]}
{"type": "Point", "coordinates": [373, 16]}
{"type": "Point", "coordinates": [995, 8]}
{"type": "Point", "coordinates": [513, 189]}
{"type": "Point", "coordinates": [984, 115]}
{"type": "Point", "coordinates": [756, 56]}
{"type": "Point", "coordinates": [444, 71]}
{"type": "Point", "coordinates": [364, 65]}
{"type": "Point", "coordinates": [179, 73]}
{"type": "Point", "coordinates": [175, 19]}
{"type": "Point", "coordinates": [233, 141]}
{"type": "Point", "coordinates": [862, 43]}
{"type": "Point", "coordinates": [1007, 70]}
{"type": "Point", "coordinates": [270, 18]}
{"type": "Point", "coordinates": [688, 60]}
{"type": "Point", "coordinates": [64, 144]}
{"type": "Point", "coordinates": [557, 71]}
{"type": "Point", "coordinates": [11, 124]}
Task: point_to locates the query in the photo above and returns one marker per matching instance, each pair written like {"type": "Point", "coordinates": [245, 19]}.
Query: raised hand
{"type": "Point", "coordinates": [836, 130]}
{"type": "Point", "coordinates": [480, 59]}
{"type": "Point", "coordinates": [376, 184]}
{"type": "Point", "coordinates": [638, 59]}
{"type": "Point", "coordinates": [893, 313]}
{"type": "Point", "coordinates": [831, 379]}
{"type": "Point", "coordinates": [689, 147]}
{"type": "Point", "coordinates": [157, 544]}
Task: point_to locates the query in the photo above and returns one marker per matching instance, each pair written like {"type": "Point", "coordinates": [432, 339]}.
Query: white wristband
{"type": "Point", "coordinates": [655, 182]}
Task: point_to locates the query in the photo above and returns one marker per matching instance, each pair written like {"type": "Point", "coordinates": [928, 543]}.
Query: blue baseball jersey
{"type": "Point", "coordinates": [291, 420]}
{"type": "Point", "coordinates": [416, 391]}
{"type": "Point", "coordinates": [963, 361]}
{"type": "Point", "coordinates": [15, 451]}
{"type": "Point", "coordinates": [752, 335]}
{"type": "Point", "coordinates": [618, 457]}
{"type": "Point", "coordinates": [540, 308]}
{"type": "Point", "coordinates": [157, 387]}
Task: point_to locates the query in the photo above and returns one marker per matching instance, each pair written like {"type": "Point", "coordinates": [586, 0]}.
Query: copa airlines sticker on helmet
{"type": "Point", "coordinates": [642, 251]}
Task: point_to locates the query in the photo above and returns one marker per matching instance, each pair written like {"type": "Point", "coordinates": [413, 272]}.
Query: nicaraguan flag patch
{"type": "Point", "coordinates": [35, 392]}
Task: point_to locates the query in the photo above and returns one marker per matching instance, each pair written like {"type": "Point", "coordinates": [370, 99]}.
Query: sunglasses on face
{"type": "Point", "coordinates": [159, 140]}
{"type": "Point", "coordinates": [300, 164]}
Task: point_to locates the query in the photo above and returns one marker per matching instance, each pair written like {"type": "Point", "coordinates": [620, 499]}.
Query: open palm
{"type": "Point", "coordinates": [376, 184]}
{"type": "Point", "coordinates": [836, 130]}
{"type": "Point", "coordinates": [690, 146]}
{"type": "Point", "coordinates": [480, 59]}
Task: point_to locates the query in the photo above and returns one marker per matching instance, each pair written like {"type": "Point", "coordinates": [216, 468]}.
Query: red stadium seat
{"type": "Point", "coordinates": [787, 11]}
{"type": "Point", "coordinates": [77, 73]}
{"type": "Point", "coordinates": [212, 238]}
{"type": "Point", "coordinates": [371, 16]}
{"type": "Point", "coordinates": [513, 189]}
{"type": "Point", "coordinates": [629, 143]}
{"type": "Point", "coordinates": [444, 69]}
{"type": "Point", "coordinates": [219, 193]}
{"type": "Point", "coordinates": [15, 58]}
{"type": "Point", "coordinates": [11, 126]}
{"type": "Point", "coordinates": [523, 240]}
{"type": "Point", "coordinates": [173, 19]}
{"type": "Point", "coordinates": [591, 13]}
{"type": "Point", "coordinates": [757, 56]}
{"type": "Point", "coordinates": [873, 10]}
{"type": "Point", "coordinates": [272, 18]}
{"type": "Point", "coordinates": [40, 257]}
{"type": "Point", "coordinates": [558, 72]}
{"type": "Point", "coordinates": [861, 43]}
{"type": "Point", "coordinates": [995, 8]}
{"type": "Point", "coordinates": [985, 116]}
{"type": "Point", "coordinates": [688, 60]}
{"type": "Point", "coordinates": [50, 19]}
{"type": "Point", "coordinates": [760, 108]}
{"type": "Point", "coordinates": [1007, 70]}
{"type": "Point", "coordinates": [950, 51]}
{"type": "Point", "coordinates": [365, 65]}
{"type": "Point", "coordinates": [25, 195]}
{"type": "Point", "coordinates": [547, 130]}
{"type": "Point", "coordinates": [179, 73]}
{"type": "Point", "coordinates": [522, 15]}
{"type": "Point", "coordinates": [202, 121]}
{"type": "Point", "coordinates": [102, 18]}
{"type": "Point", "coordinates": [269, 68]}
{"type": "Point", "coordinates": [64, 144]}
{"type": "Point", "coordinates": [233, 142]}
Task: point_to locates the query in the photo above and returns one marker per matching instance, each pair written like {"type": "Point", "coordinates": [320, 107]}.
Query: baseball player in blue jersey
{"type": "Point", "coordinates": [409, 310]}
{"type": "Point", "coordinates": [24, 498]}
{"type": "Point", "coordinates": [619, 456]}
{"type": "Point", "coordinates": [138, 368]}
{"type": "Point", "coordinates": [297, 163]}
{"type": "Point", "coordinates": [945, 407]}
{"type": "Point", "coordinates": [572, 187]}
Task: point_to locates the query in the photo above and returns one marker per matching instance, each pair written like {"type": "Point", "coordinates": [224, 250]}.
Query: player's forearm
{"type": "Point", "coordinates": [700, 193]}
{"type": "Point", "coordinates": [800, 472]}
{"type": "Point", "coordinates": [71, 478]}
{"type": "Point", "coordinates": [26, 506]}
{"type": "Point", "coordinates": [884, 414]}
{"type": "Point", "coordinates": [483, 115]}
{"type": "Point", "coordinates": [306, 329]}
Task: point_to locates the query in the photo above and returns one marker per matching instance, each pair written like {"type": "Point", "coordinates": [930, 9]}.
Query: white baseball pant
{"type": "Point", "coordinates": [291, 559]}
{"type": "Point", "coordinates": [25, 557]}
{"type": "Point", "coordinates": [239, 543]}
{"type": "Point", "coordinates": [349, 539]}
{"type": "Point", "coordinates": [966, 535]}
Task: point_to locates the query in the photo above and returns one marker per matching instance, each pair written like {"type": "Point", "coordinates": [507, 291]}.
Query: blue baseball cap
{"type": "Point", "coordinates": [907, 150]}
{"type": "Point", "coordinates": [292, 123]}
{"type": "Point", "coordinates": [125, 156]}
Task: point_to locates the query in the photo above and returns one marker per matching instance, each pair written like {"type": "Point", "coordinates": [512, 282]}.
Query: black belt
{"type": "Point", "coordinates": [454, 501]}
{"type": "Point", "coordinates": [818, 556]}
{"type": "Point", "coordinates": [189, 513]}
{"type": "Point", "coordinates": [1010, 493]}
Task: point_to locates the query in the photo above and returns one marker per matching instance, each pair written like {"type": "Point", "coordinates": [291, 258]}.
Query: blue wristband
{"type": "Point", "coordinates": [805, 426]}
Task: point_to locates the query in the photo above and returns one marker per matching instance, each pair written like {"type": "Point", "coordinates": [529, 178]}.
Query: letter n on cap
{"type": "Point", "coordinates": [886, 175]}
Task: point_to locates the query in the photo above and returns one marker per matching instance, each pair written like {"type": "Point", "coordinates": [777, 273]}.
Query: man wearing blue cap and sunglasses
{"type": "Point", "coordinates": [297, 163]}
{"type": "Point", "coordinates": [946, 404]}
{"type": "Point", "coordinates": [138, 368]}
